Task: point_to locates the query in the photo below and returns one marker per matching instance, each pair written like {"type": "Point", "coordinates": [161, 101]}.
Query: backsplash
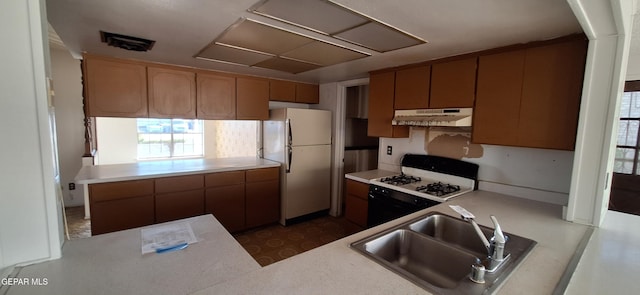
{"type": "Point", "coordinates": [539, 174]}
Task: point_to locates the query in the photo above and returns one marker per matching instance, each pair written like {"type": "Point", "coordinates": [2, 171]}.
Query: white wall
{"type": "Point", "coordinates": [117, 140]}
{"type": "Point", "coordinates": [29, 216]}
{"type": "Point", "coordinates": [607, 25]}
{"type": "Point", "coordinates": [539, 174]}
{"type": "Point", "coordinates": [67, 84]}
{"type": "Point", "coordinates": [633, 68]}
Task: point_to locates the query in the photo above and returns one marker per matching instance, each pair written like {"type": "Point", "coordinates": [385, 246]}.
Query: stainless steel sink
{"type": "Point", "coordinates": [441, 265]}
{"type": "Point", "coordinates": [453, 231]}
{"type": "Point", "coordinates": [436, 251]}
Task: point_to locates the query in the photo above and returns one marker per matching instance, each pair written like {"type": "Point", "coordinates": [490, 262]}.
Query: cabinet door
{"type": "Point", "coordinates": [172, 93]}
{"type": "Point", "coordinates": [412, 88]}
{"type": "Point", "coordinates": [121, 205]}
{"type": "Point", "coordinates": [178, 205]}
{"type": "Point", "coordinates": [381, 93]}
{"type": "Point", "coordinates": [227, 204]}
{"type": "Point", "coordinates": [114, 88]}
{"type": "Point", "coordinates": [357, 202]}
{"type": "Point", "coordinates": [282, 90]}
{"type": "Point", "coordinates": [307, 93]}
{"type": "Point", "coordinates": [497, 107]}
{"type": "Point", "coordinates": [216, 96]}
{"type": "Point", "coordinates": [551, 92]}
{"type": "Point", "coordinates": [263, 202]}
{"type": "Point", "coordinates": [453, 84]}
{"type": "Point", "coordinates": [252, 99]}
{"type": "Point", "coordinates": [262, 196]}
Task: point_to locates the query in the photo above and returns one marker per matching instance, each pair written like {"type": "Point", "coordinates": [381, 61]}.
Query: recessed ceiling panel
{"type": "Point", "coordinates": [286, 65]}
{"type": "Point", "coordinates": [324, 54]}
{"type": "Point", "coordinates": [317, 15]}
{"type": "Point", "coordinates": [231, 54]}
{"type": "Point", "coordinates": [260, 37]}
{"type": "Point", "coordinates": [378, 37]}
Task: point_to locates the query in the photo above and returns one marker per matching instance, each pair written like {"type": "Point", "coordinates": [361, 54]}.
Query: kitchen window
{"type": "Point", "coordinates": [626, 160]}
{"type": "Point", "coordinates": [169, 138]}
{"type": "Point", "coordinates": [129, 140]}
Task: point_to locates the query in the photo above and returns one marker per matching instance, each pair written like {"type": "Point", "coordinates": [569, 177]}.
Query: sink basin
{"type": "Point", "coordinates": [454, 231]}
{"type": "Point", "coordinates": [420, 257]}
{"type": "Point", "coordinates": [436, 251]}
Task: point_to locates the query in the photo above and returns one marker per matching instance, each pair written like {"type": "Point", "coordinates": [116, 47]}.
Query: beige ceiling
{"type": "Point", "coordinates": [183, 28]}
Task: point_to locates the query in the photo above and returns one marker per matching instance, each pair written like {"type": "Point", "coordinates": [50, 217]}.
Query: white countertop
{"type": "Point", "coordinates": [112, 263]}
{"type": "Point", "coordinates": [337, 269]}
{"type": "Point", "coordinates": [153, 169]}
{"type": "Point", "coordinates": [366, 176]}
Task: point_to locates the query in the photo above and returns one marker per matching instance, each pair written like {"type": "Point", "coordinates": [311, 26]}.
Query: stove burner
{"type": "Point", "coordinates": [400, 179]}
{"type": "Point", "coordinates": [438, 188]}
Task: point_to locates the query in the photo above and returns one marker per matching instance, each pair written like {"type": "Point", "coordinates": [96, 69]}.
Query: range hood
{"type": "Point", "coordinates": [454, 117]}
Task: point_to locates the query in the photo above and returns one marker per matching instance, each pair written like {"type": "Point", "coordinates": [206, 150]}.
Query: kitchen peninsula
{"type": "Point", "coordinates": [112, 263]}
{"type": "Point", "coordinates": [122, 196]}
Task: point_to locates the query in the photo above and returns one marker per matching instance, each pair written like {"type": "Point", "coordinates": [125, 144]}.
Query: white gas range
{"type": "Point", "coordinates": [424, 181]}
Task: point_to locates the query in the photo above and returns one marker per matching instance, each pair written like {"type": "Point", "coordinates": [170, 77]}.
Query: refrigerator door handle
{"type": "Point", "coordinates": [290, 158]}
{"type": "Point", "coordinates": [288, 147]}
{"type": "Point", "coordinates": [289, 133]}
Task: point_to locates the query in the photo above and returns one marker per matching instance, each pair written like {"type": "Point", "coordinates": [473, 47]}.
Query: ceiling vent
{"type": "Point", "coordinates": [126, 42]}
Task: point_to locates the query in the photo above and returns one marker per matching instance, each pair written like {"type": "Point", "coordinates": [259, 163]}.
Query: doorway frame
{"type": "Point", "coordinates": [337, 176]}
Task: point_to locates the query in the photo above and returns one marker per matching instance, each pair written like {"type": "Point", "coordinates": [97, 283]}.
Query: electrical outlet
{"type": "Point", "coordinates": [389, 150]}
{"type": "Point", "coordinates": [72, 186]}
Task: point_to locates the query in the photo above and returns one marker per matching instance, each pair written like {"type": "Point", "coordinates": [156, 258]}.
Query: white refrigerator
{"type": "Point", "coordinates": [300, 139]}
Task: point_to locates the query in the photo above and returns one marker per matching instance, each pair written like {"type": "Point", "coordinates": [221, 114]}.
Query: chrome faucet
{"type": "Point", "coordinates": [495, 246]}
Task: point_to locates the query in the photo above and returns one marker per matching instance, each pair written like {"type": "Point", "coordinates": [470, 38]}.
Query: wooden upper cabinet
{"type": "Point", "coordinates": [497, 106]}
{"type": "Point", "coordinates": [280, 90]}
{"type": "Point", "coordinates": [252, 98]}
{"type": "Point", "coordinates": [307, 93]}
{"type": "Point", "coordinates": [530, 97]}
{"type": "Point", "coordinates": [381, 93]}
{"type": "Point", "coordinates": [115, 88]}
{"type": "Point", "coordinates": [216, 96]}
{"type": "Point", "coordinates": [172, 93]}
{"type": "Point", "coordinates": [412, 88]}
{"type": "Point", "coordinates": [453, 84]}
{"type": "Point", "coordinates": [551, 92]}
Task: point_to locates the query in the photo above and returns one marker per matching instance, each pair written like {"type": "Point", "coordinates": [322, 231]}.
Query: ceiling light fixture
{"type": "Point", "coordinates": [252, 43]}
{"type": "Point", "coordinates": [332, 19]}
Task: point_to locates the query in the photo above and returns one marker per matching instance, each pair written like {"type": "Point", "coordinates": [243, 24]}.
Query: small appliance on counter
{"type": "Point", "coordinates": [424, 181]}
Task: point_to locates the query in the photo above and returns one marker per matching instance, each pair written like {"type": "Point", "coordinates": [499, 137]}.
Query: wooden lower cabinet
{"type": "Point", "coordinates": [236, 203]}
{"type": "Point", "coordinates": [263, 203]}
{"type": "Point", "coordinates": [178, 205]}
{"type": "Point", "coordinates": [121, 205]}
{"type": "Point", "coordinates": [227, 204]}
{"type": "Point", "coordinates": [357, 202]}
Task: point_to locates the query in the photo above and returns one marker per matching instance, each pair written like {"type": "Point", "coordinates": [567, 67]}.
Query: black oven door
{"type": "Point", "coordinates": [386, 205]}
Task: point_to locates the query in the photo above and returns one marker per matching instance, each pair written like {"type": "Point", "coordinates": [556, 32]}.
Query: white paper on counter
{"type": "Point", "coordinates": [166, 235]}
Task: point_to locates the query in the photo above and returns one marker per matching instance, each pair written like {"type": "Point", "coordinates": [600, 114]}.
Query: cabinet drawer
{"type": "Point", "coordinates": [263, 174]}
{"type": "Point", "coordinates": [120, 190]}
{"type": "Point", "coordinates": [357, 189]}
{"type": "Point", "coordinates": [224, 178]}
{"type": "Point", "coordinates": [179, 183]}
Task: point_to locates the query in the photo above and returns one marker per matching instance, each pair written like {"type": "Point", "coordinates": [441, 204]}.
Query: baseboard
{"type": "Point", "coordinates": [526, 192]}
